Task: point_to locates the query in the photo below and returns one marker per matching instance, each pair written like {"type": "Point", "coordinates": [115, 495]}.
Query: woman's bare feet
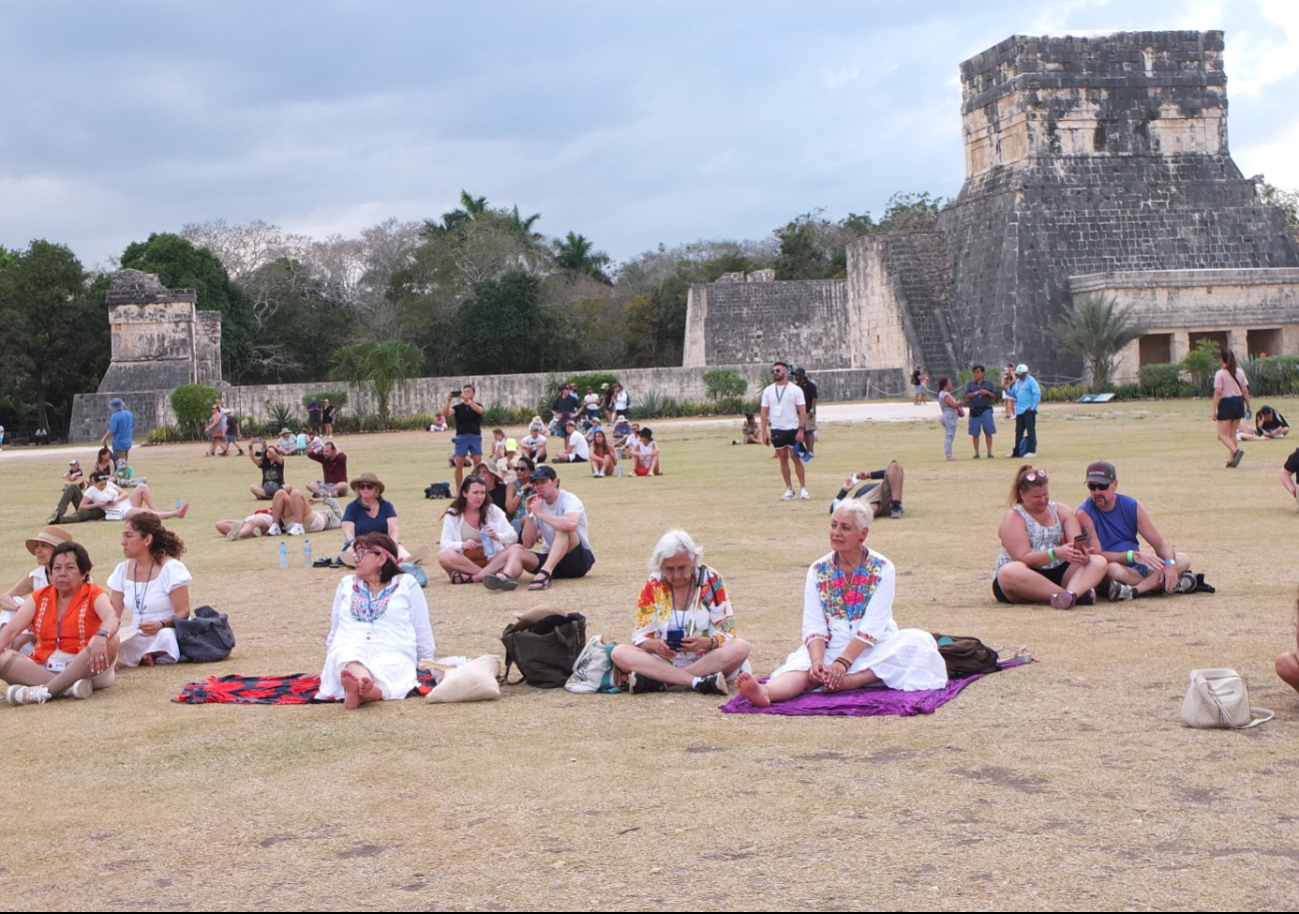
{"type": "Point", "coordinates": [753, 690]}
{"type": "Point", "coordinates": [351, 690]}
{"type": "Point", "coordinates": [369, 691]}
{"type": "Point", "coordinates": [184, 509]}
{"type": "Point", "coordinates": [146, 660]}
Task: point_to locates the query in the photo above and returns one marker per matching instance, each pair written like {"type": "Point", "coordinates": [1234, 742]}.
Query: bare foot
{"type": "Point", "coordinates": [184, 509]}
{"type": "Point", "coordinates": [753, 690]}
{"type": "Point", "coordinates": [351, 690]}
{"type": "Point", "coordinates": [146, 660]}
{"type": "Point", "coordinates": [370, 691]}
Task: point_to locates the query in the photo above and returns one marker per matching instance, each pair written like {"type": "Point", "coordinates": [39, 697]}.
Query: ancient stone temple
{"type": "Point", "coordinates": [160, 341]}
{"type": "Point", "coordinates": [1094, 164]}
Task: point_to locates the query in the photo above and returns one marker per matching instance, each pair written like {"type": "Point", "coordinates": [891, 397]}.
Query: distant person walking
{"type": "Point", "coordinates": [981, 396]}
{"type": "Point", "coordinates": [810, 394]}
{"type": "Point", "coordinates": [784, 412]}
{"type": "Point", "coordinates": [919, 378]}
{"type": "Point", "coordinates": [121, 429]}
{"type": "Point", "coordinates": [1230, 403]}
{"type": "Point", "coordinates": [327, 418]}
{"type": "Point", "coordinates": [1028, 396]}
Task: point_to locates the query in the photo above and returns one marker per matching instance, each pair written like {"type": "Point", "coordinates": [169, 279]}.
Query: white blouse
{"type": "Point", "coordinates": [496, 519]}
{"type": "Point", "coordinates": [398, 621]}
{"type": "Point", "coordinates": [150, 601]}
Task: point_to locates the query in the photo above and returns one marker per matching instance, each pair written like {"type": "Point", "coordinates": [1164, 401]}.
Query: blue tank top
{"type": "Point", "coordinates": [1117, 528]}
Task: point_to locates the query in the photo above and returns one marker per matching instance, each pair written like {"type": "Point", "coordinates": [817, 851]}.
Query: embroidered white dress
{"type": "Point", "coordinates": [150, 601]}
{"type": "Point", "coordinates": [840, 607]}
{"type": "Point", "coordinates": [388, 632]}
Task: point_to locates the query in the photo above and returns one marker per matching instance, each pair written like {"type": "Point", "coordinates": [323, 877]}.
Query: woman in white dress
{"type": "Point", "coordinates": [849, 637]}
{"type": "Point", "coordinates": [154, 584]}
{"type": "Point", "coordinates": [473, 530]}
{"type": "Point", "coordinates": [379, 631]}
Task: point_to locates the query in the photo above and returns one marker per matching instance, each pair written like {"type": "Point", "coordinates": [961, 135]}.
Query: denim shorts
{"type": "Point", "coordinates": [468, 444]}
{"type": "Point", "coordinates": [983, 423]}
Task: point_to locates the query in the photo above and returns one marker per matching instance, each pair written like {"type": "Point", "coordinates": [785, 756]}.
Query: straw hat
{"type": "Point", "coordinates": [368, 477]}
{"type": "Point", "coordinates": [50, 536]}
{"type": "Point", "coordinates": [495, 467]}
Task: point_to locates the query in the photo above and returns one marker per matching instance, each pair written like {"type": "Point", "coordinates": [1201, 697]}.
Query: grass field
{"type": "Point", "coordinates": [1070, 783]}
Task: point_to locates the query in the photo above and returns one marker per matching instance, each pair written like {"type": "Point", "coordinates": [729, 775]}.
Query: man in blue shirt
{"type": "Point", "coordinates": [1027, 396]}
{"type": "Point", "coordinates": [981, 396]}
{"type": "Point", "coordinates": [121, 428]}
{"type": "Point", "coordinates": [1113, 522]}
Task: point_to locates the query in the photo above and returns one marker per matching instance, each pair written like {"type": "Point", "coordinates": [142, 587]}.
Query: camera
{"type": "Point", "coordinates": [456, 393]}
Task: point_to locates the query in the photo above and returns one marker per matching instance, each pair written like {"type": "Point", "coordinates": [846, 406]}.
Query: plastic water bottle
{"type": "Point", "coordinates": [284, 554]}
{"type": "Point", "coordinates": [619, 474]}
{"type": "Point", "coordinates": [489, 546]}
{"type": "Point", "coordinates": [178, 504]}
{"type": "Point", "coordinates": [306, 554]}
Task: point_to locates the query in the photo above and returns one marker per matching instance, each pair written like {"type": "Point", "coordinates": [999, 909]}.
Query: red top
{"type": "Point", "coordinates": [79, 624]}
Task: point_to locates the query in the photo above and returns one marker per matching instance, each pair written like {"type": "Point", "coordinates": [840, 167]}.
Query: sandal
{"type": "Point", "coordinates": [542, 581]}
{"type": "Point", "coordinates": [499, 582]}
{"type": "Point", "coordinates": [462, 577]}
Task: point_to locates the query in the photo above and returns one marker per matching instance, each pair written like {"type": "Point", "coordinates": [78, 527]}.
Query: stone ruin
{"type": "Point", "coordinates": [1093, 164]}
{"type": "Point", "coordinates": [160, 340]}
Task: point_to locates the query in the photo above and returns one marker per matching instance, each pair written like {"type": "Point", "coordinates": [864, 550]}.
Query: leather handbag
{"type": "Point", "coordinates": [1219, 699]}
{"type": "Point", "coordinates": [544, 649]}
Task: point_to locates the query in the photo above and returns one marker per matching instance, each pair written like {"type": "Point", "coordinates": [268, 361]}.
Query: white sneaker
{"type": "Point", "coordinates": [1012, 454]}
{"type": "Point", "coordinates": [802, 493]}
{"type": "Point", "coordinates": [27, 695]}
{"type": "Point", "coordinates": [81, 689]}
{"type": "Point", "coordinates": [274, 531]}
{"type": "Point", "coordinates": [1030, 454]}
{"type": "Point", "coordinates": [296, 530]}
{"type": "Point", "coordinates": [788, 496]}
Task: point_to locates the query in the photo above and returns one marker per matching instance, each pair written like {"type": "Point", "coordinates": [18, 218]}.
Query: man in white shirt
{"type": "Point", "coordinates": [533, 445]}
{"type": "Point", "coordinates": [784, 414]}
{"type": "Point", "coordinates": [577, 450]}
{"type": "Point", "coordinates": [558, 519]}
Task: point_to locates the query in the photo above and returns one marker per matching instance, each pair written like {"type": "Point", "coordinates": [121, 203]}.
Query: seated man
{"type": "Point", "coordinates": [888, 491]}
{"type": "Point", "coordinates": [333, 464]}
{"type": "Point", "coordinates": [621, 434]}
{"type": "Point", "coordinates": [556, 517]}
{"type": "Point", "coordinates": [577, 450]}
{"type": "Point", "coordinates": [533, 445]}
{"type": "Point", "coordinates": [1113, 522]}
{"type": "Point", "coordinates": [287, 443]}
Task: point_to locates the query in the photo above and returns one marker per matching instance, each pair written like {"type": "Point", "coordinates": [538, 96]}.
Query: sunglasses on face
{"type": "Point", "coordinates": [1098, 487]}
{"type": "Point", "coordinates": [365, 551]}
{"type": "Point", "coordinates": [365, 485]}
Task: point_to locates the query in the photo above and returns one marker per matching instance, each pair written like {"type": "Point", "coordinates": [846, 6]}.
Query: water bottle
{"type": "Point", "coordinates": [178, 504]}
{"type": "Point", "coordinates": [306, 554]}
{"type": "Point", "coordinates": [284, 554]}
{"type": "Point", "coordinates": [489, 546]}
{"type": "Point", "coordinates": [619, 474]}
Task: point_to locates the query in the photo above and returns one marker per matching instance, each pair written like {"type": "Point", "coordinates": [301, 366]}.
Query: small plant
{"type": "Point", "coordinates": [278, 416]}
{"type": "Point", "coordinates": [497, 414]}
{"type": "Point", "coordinates": [168, 434]}
{"type": "Point", "coordinates": [592, 380]}
{"type": "Point", "coordinates": [1127, 392]}
{"type": "Point", "coordinates": [650, 406]}
{"type": "Point", "coordinates": [192, 404]}
{"type": "Point", "coordinates": [1065, 393]}
{"type": "Point", "coordinates": [724, 384]}
{"type": "Point", "coordinates": [1160, 380]}
{"type": "Point", "coordinates": [1201, 363]}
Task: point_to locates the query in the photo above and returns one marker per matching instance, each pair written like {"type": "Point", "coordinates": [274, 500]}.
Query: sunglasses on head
{"type": "Point", "coordinates": [1098, 486]}
{"type": "Point", "coordinates": [475, 478]}
{"type": "Point", "coordinates": [1036, 476]}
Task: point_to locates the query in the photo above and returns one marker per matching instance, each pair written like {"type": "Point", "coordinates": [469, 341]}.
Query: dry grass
{"type": "Point", "coordinates": [1068, 784]}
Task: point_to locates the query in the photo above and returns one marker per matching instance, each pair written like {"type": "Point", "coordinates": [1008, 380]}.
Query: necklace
{"type": "Point", "coordinates": [141, 593]}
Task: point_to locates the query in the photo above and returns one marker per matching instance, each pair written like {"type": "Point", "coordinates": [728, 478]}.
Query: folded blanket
{"type": "Point", "coordinates": [872, 701]}
{"type": "Point", "coordinates": [293, 689]}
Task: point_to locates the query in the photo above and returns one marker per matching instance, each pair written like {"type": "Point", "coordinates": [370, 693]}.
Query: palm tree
{"type": "Point", "coordinates": [1097, 329]}
{"type": "Point", "coordinates": [574, 255]}
{"type": "Point", "coordinates": [382, 365]}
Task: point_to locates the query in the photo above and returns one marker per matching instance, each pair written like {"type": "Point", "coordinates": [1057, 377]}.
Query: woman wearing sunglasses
{"type": "Point", "coordinates": [379, 630]}
{"type": "Point", "coordinates": [1042, 559]}
{"type": "Point", "coordinates": [370, 512]}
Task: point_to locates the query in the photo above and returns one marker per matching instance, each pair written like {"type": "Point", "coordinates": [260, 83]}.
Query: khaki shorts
{"type": "Point", "coordinates": [810, 424]}
{"type": "Point", "coordinates": [880, 497]}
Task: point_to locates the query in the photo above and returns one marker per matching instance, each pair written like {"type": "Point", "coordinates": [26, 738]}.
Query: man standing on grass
{"type": "Point", "coordinates": [121, 429]}
{"type": "Point", "coordinates": [809, 397]}
{"type": "Point", "coordinates": [980, 395]}
{"type": "Point", "coordinates": [1027, 395]}
{"type": "Point", "coordinates": [784, 414]}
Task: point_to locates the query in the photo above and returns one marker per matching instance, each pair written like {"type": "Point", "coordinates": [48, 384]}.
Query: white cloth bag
{"type": "Point", "coordinates": [1219, 698]}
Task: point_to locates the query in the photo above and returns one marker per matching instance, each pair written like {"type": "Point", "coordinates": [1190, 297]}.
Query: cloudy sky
{"type": "Point", "coordinates": [633, 123]}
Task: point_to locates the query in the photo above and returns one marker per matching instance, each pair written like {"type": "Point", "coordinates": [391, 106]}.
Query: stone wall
{"type": "Point", "coordinates": [90, 413]}
{"type": "Point", "coordinates": [735, 323]}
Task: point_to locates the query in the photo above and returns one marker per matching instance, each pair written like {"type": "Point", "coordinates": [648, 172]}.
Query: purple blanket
{"type": "Point", "coordinates": [872, 701]}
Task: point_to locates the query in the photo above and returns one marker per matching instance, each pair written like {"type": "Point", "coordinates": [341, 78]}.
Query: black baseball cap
{"type": "Point", "coordinates": [545, 472]}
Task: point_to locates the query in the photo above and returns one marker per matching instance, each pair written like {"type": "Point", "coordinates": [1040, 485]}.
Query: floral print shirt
{"type": "Point", "coordinates": [842, 604]}
{"type": "Point", "coordinates": [709, 615]}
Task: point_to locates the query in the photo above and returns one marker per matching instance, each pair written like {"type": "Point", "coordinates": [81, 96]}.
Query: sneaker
{"type": "Point", "coordinates": [991, 455]}
{"type": "Point", "coordinates": [1236, 458]}
{"type": "Point", "coordinates": [1119, 592]}
{"type": "Point", "coordinates": [235, 529]}
{"type": "Point", "coordinates": [275, 530]}
{"type": "Point", "coordinates": [788, 496]}
{"type": "Point", "coordinates": [803, 494]}
{"type": "Point", "coordinates": [639, 685]}
{"type": "Point", "coordinates": [1086, 599]}
{"type": "Point", "coordinates": [1185, 583]}
{"type": "Point", "coordinates": [1030, 455]}
{"type": "Point", "coordinates": [27, 695]}
{"type": "Point", "coordinates": [80, 689]}
{"type": "Point", "coordinates": [712, 684]}
{"type": "Point", "coordinates": [895, 510]}
{"type": "Point", "coordinates": [296, 530]}
{"type": "Point", "coordinates": [1012, 454]}
{"type": "Point", "coordinates": [1063, 600]}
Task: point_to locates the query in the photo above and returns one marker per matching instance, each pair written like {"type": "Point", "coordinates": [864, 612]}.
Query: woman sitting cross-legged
{"type": "Point", "coordinates": [76, 635]}
{"type": "Point", "coordinates": [379, 630]}
{"type": "Point", "coordinates": [685, 628]}
{"type": "Point", "coordinates": [645, 454]}
{"type": "Point", "coordinates": [849, 637]}
{"type": "Point", "coordinates": [1041, 558]}
{"type": "Point", "coordinates": [154, 584]}
{"type": "Point", "coordinates": [473, 530]}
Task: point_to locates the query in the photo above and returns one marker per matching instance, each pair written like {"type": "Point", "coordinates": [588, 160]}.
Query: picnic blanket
{"type": "Point", "coordinates": [293, 689]}
{"type": "Point", "coordinates": [872, 701]}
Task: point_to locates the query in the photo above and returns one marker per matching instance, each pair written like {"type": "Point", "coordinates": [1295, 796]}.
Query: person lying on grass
{"type": "Point", "coordinates": [685, 627]}
{"type": "Point", "coordinates": [849, 637]}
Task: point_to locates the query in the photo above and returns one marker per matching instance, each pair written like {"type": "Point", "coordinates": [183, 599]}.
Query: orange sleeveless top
{"type": "Point", "coordinates": [80, 621]}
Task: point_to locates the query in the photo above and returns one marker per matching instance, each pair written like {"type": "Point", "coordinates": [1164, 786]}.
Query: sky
{"type": "Point", "coordinates": [632, 123]}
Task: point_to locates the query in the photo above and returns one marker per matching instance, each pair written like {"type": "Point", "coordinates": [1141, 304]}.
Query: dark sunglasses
{"type": "Point", "coordinates": [1098, 487]}
{"type": "Point", "coordinates": [365, 485]}
{"type": "Point", "coordinates": [477, 479]}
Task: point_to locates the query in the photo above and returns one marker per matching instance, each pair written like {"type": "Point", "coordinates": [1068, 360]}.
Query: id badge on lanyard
{"type": "Point", "coordinates": [56, 666]}
{"type": "Point", "coordinates": [373, 637]}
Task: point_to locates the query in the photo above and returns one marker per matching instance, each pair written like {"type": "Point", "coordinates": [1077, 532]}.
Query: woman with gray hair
{"type": "Point", "coordinates": [849, 637]}
{"type": "Point", "coordinates": [685, 627]}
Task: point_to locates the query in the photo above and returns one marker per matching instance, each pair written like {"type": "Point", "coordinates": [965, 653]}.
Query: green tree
{"type": "Point", "coordinates": [575, 255]}
{"type": "Point", "coordinates": [911, 212]}
{"type": "Point", "coordinates": [1096, 329]}
{"type": "Point", "coordinates": [180, 265]}
{"type": "Point", "coordinates": [299, 321]}
{"type": "Point", "coordinates": [801, 256]}
{"type": "Point", "coordinates": [55, 342]}
{"type": "Point", "coordinates": [500, 328]}
{"type": "Point", "coordinates": [1202, 363]}
{"type": "Point", "coordinates": [380, 365]}
{"type": "Point", "coordinates": [192, 404]}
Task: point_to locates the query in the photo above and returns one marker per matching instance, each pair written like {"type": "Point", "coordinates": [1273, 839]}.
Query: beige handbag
{"type": "Point", "coordinates": [1219, 698]}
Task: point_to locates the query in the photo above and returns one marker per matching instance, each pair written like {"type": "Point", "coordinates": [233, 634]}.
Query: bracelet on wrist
{"type": "Point", "coordinates": [1170, 561]}
{"type": "Point", "coordinates": [846, 665]}
{"type": "Point", "coordinates": [1130, 558]}
{"type": "Point", "coordinates": [1050, 553]}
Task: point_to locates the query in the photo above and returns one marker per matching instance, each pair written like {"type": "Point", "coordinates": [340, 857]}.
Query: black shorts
{"type": "Point", "coordinates": [573, 565]}
{"type": "Point", "coordinates": [1055, 575]}
{"type": "Point", "coordinates": [784, 437]}
{"type": "Point", "coordinates": [1230, 408]}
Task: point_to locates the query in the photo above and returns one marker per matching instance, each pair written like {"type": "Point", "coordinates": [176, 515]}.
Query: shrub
{"type": "Point", "coordinates": [336, 398]}
{"type": "Point", "coordinates": [1201, 363]}
{"type": "Point", "coordinates": [649, 406]}
{"type": "Point", "coordinates": [494, 415]}
{"type": "Point", "coordinates": [1274, 376]}
{"type": "Point", "coordinates": [168, 434]}
{"type": "Point", "coordinates": [192, 404]}
{"type": "Point", "coordinates": [724, 384]}
{"type": "Point", "coordinates": [1161, 380]}
{"type": "Point", "coordinates": [1128, 392]}
{"type": "Point", "coordinates": [1065, 393]}
{"type": "Point", "coordinates": [280, 415]}
{"type": "Point", "coordinates": [592, 380]}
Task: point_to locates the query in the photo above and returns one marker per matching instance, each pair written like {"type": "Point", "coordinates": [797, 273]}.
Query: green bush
{"type": "Point", "coordinates": [1128, 392]}
{"type": "Point", "coordinates": [336, 398]}
{"type": "Point", "coordinates": [170, 434]}
{"type": "Point", "coordinates": [1065, 393]}
{"type": "Point", "coordinates": [1274, 376]}
{"type": "Point", "coordinates": [495, 415]}
{"type": "Point", "coordinates": [1201, 363]}
{"type": "Point", "coordinates": [648, 406]}
{"type": "Point", "coordinates": [592, 380]}
{"type": "Point", "coordinates": [724, 384]}
{"type": "Point", "coordinates": [1161, 380]}
{"type": "Point", "coordinates": [280, 415]}
{"type": "Point", "coordinates": [192, 404]}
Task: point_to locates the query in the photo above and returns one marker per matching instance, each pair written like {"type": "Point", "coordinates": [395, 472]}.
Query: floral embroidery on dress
{"type": "Point", "coordinates": [846, 596]}
{"type": "Point", "coordinates": [367, 608]}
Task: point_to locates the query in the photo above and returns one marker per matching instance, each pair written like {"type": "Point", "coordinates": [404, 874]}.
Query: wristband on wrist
{"type": "Point", "coordinates": [1050, 553]}
{"type": "Point", "coordinates": [101, 634]}
{"type": "Point", "coordinates": [1170, 561]}
{"type": "Point", "coordinates": [1130, 556]}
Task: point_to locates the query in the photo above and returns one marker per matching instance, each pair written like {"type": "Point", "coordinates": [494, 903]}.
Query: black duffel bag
{"type": "Point", "coordinates": [544, 650]}
{"type": "Point", "coordinates": [205, 637]}
{"type": "Point", "coordinates": [965, 656]}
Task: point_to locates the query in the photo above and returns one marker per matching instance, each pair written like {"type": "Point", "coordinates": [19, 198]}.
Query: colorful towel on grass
{"type": "Point", "coordinates": [872, 701]}
{"type": "Point", "coordinates": [294, 689]}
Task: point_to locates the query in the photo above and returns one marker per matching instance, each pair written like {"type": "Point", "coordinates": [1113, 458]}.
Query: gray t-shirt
{"type": "Point", "coordinates": [566, 503]}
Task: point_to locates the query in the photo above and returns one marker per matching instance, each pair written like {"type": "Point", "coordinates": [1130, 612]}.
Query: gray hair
{"type": "Point", "coordinates": [674, 542]}
{"type": "Point", "coordinates": [862, 513]}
